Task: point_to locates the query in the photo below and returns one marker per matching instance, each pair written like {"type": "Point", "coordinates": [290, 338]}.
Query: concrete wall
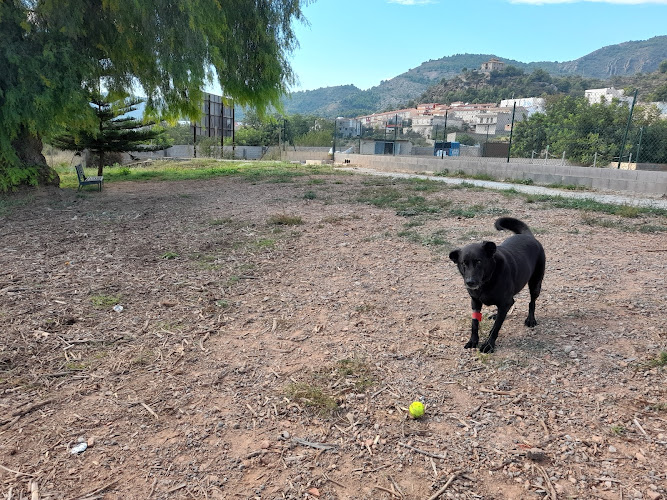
{"type": "Point", "coordinates": [185, 151]}
{"type": "Point", "coordinates": [595, 178]}
{"type": "Point", "coordinates": [303, 154]}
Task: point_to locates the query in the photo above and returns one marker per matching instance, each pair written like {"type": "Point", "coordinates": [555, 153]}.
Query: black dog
{"type": "Point", "coordinates": [494, 274]}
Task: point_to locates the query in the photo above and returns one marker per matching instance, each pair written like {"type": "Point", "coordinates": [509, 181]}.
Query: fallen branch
{"type": "Point", "coordinates": [176, 488]}
{"type": "Point", "coordinates": [386, 490]}
{"type": "Point", "coordinates": [20, 413]}
{"type": "Point", "coordinates": [494, 391]}
{"type": "Point", "coordinates": [447, 484]}
{"type": "Point", "coordinates": [15, 471]}
{"type": "Point", "coordinates": [98, 490]}
{"type": "Point", "coordinates": [149, 410]}
{"type": "Point", "coordinates": [34, 490]}
{"type": "Point", "coordinates": [423, 452]}
{"type": "Point", "coordinates": [550, 487]}
{"type": "Point", "coordinates": [319, 446]}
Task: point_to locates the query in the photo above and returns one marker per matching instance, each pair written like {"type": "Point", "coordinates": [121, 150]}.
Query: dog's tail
{"type": "Point", "coordinates": [514, 225]}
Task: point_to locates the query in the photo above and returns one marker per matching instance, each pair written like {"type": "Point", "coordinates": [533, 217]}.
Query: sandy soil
{"type": "Point", "coordinates": [273, 335]}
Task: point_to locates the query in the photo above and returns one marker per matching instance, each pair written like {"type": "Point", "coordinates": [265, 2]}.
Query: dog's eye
{"type": "Point", "coordinates": [476, 262]}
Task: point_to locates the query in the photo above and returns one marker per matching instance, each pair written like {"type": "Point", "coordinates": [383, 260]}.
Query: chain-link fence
{"type": "Point", "coordinates": [570, 131]}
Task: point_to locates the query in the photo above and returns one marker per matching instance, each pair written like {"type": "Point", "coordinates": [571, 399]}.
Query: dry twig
{"type": "Point", "coordinates": [442, 490]}
{"type": "Point", "coordinates": [423, 452]}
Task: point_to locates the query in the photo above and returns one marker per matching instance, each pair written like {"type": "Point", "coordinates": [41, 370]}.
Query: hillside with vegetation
{"type": "Point", "coordinates": [604, 67]}
{"type": "Point", "coordinates": [475, 87]}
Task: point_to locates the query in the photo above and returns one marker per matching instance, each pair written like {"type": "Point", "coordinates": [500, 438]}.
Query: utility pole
{"type": "Point", "coordinates": [395, 131]}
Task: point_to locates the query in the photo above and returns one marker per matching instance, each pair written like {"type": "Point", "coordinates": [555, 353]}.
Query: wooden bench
{"type": "Point", "coordinates": [83, 180]}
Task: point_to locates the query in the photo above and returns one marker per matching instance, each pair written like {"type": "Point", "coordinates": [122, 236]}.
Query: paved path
{"type": "Point", "coordinates": [616, 199]}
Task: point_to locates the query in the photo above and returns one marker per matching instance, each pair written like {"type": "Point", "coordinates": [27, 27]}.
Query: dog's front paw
{"type": "Point", "coordinates": [530, 322]}
{"type": "Point", "coordinates": [487, 348]}
{"type": "Point", "coordinates": [470, 345]}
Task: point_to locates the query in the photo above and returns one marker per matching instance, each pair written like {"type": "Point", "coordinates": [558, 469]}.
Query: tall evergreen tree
{"type": "Point", "coordinates": [116, 132]}
{"type": "Point", "coordinates": [51, 51]}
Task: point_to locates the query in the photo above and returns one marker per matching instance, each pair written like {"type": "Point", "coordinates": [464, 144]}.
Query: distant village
{"type": "Point", "coordinates": [490, 119]}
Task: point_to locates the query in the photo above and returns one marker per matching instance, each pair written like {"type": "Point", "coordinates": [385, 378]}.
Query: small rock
{"type": "Point", "coordinates": [314, 491]}
{"type": "Point", "coordinates": [653, 495]}
{"type": "Point", "coordinates": [536, 454]}
{"type": "Point", "coordinates": [79, 448]}
{"type": "Point", "coordinates": [612, 449]}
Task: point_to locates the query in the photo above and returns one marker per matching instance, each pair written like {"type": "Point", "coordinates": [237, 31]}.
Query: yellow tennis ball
{"type": "Point", "coordinates": [416, 409]}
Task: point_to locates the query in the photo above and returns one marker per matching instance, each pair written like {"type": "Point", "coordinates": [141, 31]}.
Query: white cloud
{"type": "Point", "coordinates": [412, 2]}
{"type": "Point", "coordinates": [616, 2]}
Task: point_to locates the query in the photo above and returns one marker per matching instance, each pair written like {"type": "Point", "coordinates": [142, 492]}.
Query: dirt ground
{"type": "Point", "coordinates": [273, 334]}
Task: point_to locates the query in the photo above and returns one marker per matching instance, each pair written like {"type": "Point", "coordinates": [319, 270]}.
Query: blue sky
{"type": "Point", "coordinates": [362, 42]}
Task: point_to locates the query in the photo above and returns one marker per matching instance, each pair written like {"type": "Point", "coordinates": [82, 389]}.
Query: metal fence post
{"type": "Point", "coordinates": [509, 148]}
{"type": "Point", "coordinates": [625, 135]}
{"type": "Point", "coordinates": [639, 146]}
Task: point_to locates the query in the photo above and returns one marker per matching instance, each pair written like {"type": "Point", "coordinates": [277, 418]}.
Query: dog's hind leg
{"type": "Point", "coordinates": [535, 287]}
{"type": "Point", "coordinates": [489, 344]}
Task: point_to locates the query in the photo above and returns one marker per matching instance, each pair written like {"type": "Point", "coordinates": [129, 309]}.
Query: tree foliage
{"type": "Point", "coordinates": [115, 131]}
{"type": "Point", "coordinates": [52, 52]}
{"type": "Point", "coordinates": [589, 133]}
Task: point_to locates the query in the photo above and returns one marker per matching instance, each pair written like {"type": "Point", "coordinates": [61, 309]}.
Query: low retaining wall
{"type": "Point", "coordinates": [595, 178]}
{"type": "Point", "coordinates": [303, 154]}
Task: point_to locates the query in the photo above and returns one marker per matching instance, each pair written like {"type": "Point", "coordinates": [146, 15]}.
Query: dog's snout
{"type": "Point", "coordinates": [471, 282]}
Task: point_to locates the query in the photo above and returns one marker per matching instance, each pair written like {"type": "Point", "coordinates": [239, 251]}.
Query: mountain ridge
{"type": "Point", "coordinates": [623, 59]}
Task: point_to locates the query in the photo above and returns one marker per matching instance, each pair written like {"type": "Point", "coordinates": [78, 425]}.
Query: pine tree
{"type": "Point", "coordinates": [115, 132]}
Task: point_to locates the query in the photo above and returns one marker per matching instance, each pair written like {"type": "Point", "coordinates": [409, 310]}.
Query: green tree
{"type": "Point", "coordinates": [52, 52]}
{"type": "Point", "coordinates": [659, 94]}
{"type": "Point", "coordinates": [116, 132]}
{"type": "Point", "coordinates": [663, 66]}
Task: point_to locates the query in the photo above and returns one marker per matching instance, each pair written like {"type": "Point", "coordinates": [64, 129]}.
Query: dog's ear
{"type": "Point", "coordinates": [489, 248]}
{"type": "Point", "coordinates": [454, 255]}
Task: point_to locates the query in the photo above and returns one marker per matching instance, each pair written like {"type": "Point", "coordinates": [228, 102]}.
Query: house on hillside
{"type": "Point", "coordinates": [492, 64]}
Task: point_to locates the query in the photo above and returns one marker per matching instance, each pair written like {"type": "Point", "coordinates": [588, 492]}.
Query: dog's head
{"type": "Point", "coordinates": [475, 262]}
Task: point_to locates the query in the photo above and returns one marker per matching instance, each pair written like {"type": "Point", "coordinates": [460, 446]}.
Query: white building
{"type": "Point", "coordinates": [426, 125]}
{"type": "Point", "coordinates": [531, 105]}
{"type": "Point", "coordinates": [346, 127]}
{"type": "Point", "coordinates": [596, 96]}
